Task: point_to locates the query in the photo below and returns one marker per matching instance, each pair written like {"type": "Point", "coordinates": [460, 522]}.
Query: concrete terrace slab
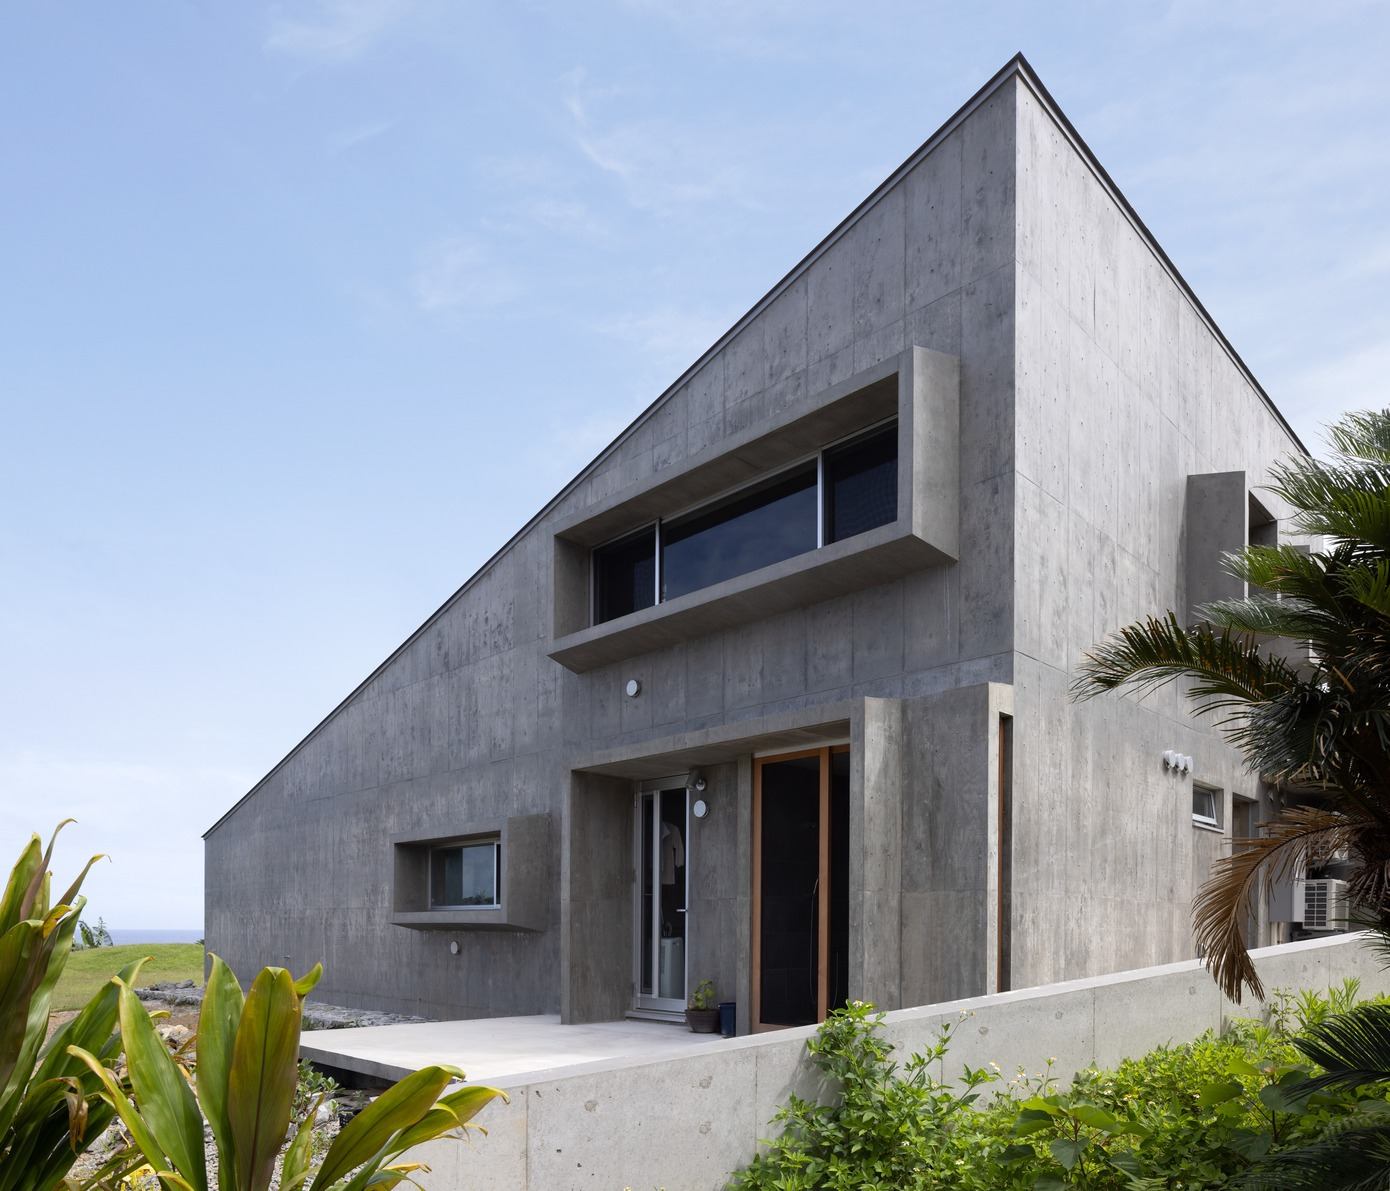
{"type": "Point", "coordinates": [497, 1049]}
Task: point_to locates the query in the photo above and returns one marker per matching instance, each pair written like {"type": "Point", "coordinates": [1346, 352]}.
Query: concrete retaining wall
{"type": "Point", "coordinates": [687, 1122]}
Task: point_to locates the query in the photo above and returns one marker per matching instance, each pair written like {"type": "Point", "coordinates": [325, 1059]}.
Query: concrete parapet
{"type": "Point", "coordinates": [688, 1121]}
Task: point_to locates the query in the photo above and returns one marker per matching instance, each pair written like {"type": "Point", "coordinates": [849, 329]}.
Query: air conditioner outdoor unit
{"type": "Point", "coordinates": [1321, 904]}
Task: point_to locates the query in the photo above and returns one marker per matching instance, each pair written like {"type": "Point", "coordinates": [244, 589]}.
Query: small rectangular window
{"type": "Point", "coordinates": [1206, 806]}
{"type": "Point", "coordinates": [754, 528]}
{"type": "Point", "coordinates": [861, 484]}
{"type": "Point", "coordinates": [466, 875]}
{"type": "Point", "coordinates": [625, 575]}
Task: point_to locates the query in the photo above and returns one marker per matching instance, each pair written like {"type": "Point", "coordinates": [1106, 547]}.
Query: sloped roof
{"type": "Point", "coordinates": [1017, 67]}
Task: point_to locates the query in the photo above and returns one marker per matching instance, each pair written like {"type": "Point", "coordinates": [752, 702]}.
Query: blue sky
{"type": "Point", "coordinates": [307, 307]}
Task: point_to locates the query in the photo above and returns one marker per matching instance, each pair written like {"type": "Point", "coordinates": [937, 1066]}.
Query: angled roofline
{"type": "Point", "coordinates": [1059, 117]}
{"type": "Point", "coordinates": [1016, 67]}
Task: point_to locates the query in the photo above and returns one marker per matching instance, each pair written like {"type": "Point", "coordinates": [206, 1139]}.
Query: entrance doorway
{"type": "Point", "coordinates": [662, 923]}
{"type": "Point", "coordinates": [800, 886]}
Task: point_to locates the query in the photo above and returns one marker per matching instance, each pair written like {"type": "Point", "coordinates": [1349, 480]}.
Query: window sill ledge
{"type": "Point", "coordinates": [878, 556]}
{"type": "Point", "coordinates": [527, 858]}
{"type": "Point", "coordinates": [1214, 828]}
{"type": "Point", "coordinates": [458, 920]}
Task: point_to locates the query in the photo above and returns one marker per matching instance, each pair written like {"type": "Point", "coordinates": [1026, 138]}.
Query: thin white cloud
{"type": "Point", "coordinates": [350, 138]}
{"type": "Point", "coordinates": [662, 165]}
{"type": "Point", "coordinates": [332, 31]}
{"type": "Point", "coordinates": [460, 273]}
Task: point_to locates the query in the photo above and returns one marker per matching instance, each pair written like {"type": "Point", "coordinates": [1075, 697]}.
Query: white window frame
{"type": "Point", "coordinates": [1217, 797]}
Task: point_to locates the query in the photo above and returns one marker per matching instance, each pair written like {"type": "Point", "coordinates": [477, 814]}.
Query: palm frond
{"type": "Point", "coordinates": [1354, 1156]}
{"type": "Point", "coordinates": [1344, 500]}
{"type": "Point", "coordinates": [1223, 903]}
{"type": "Point", "coordinates": [1362, 434]}
{"type": "Point", "coordinates": [1287, 570]}
{"type": "Point", "coordinates": [1226, 668]}
{"type": "Point", "coordinates": [1291, 619]}
{"type": "Point", "coordinates": [1352, 1048]}
{"type": "Point", "coordinates": [1369, 584]}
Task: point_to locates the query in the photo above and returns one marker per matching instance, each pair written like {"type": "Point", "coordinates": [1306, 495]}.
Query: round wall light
{"type": "Point", "coordinates": [633, 688]}
{"type": "Point", "coordinates": [700, 809]}
{"type": "Point", "coordinates": [453, 946]}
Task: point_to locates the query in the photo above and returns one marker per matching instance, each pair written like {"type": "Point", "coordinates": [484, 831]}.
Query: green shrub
{"type": "Point", "coordinates": [1199, 1115]}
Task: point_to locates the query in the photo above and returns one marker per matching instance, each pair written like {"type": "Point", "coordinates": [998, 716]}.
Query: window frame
{"type": "Point", "coordinates": [1210, 822]}
{"type": "Point", "coordinates": [655, 527]}
{"type": "Point", "coordinates": [729, 495]}
{"type": "Point", "coordinates": [495, 842]}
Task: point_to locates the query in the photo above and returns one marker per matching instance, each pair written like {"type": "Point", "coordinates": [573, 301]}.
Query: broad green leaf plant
{"type": "Point", "coordinates": [50, 1109]}
{"type": "Point", "coordinates": [247, 1070]}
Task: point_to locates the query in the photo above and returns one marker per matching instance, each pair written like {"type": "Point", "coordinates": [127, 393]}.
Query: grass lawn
{"type": "Point", "coordinates": [89, 969]}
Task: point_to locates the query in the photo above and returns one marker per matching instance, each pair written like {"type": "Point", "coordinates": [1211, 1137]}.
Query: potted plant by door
{"type": "Point", "coordinates": [701, 1015]}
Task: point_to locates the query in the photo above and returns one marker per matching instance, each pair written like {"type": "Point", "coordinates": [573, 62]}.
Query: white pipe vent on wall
{"type": "Point", "coordinates": [1321, 904]}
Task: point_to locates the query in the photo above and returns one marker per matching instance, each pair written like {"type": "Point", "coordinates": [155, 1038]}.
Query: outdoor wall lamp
{"type": "Point", "coordinates": [633, 688]}
{"type": "Point", "coordinates": [696, 782]}
{"type": "Point", "coordinates": [1174, 760]}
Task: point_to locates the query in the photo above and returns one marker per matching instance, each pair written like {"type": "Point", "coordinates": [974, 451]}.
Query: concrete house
{"type": "Point", "coordinates": [775, 692]}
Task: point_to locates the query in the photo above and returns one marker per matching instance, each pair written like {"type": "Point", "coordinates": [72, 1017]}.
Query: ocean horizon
{"type": "Point", "coordinates": [122, 936]}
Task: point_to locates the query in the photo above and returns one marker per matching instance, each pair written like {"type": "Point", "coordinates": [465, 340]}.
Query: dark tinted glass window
{"type": "Point", "coordinates": [861, 484]}
{"type": "Point", "coordinates": [466, 875]}
{"type": "Point", "coordinates": [752, 529]}
{"type": "Point", "coordinates": [625, 576]}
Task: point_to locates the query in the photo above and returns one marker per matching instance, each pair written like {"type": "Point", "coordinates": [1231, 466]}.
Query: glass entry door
{"type": "Point", "coordinates": [662, 924]}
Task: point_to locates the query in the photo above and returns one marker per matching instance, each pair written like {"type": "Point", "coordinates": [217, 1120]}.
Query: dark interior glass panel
{"type": "Point", "coordinates": [861, 484]}
{"type": "Point", "coordinates": [754, 528]}
{"type": "Point", "coordinates": [648, 849]}
{"type": "Point", "coordinates": [839, 882]}
{"type": "Point", "coordinates": [625, 576]}
{"type": "Point", "coordinates": [465, 876]}
{"type": "Point", "coordinates": [790, 868]}
{"type": "Point", "coordinates": [671, 863]}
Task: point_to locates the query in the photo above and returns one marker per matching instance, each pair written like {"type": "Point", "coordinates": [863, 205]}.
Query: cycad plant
{"type": "Point", "coordinates": [1322, 726]}
{"type": "Point", "coordinates": [247, 1070]}
{"type": "Point", "coordinates": [49, 1104]}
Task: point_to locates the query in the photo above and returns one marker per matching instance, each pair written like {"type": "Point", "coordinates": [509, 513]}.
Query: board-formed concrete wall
{"type": "Point", "coordinates": [1090, 387]}
{"type": "Point", "coordinates": [471, 721]}
{"type": "Point", "coordinates": [685, 1123]}
{"type": "Point", "coordinates": [1123, 390]}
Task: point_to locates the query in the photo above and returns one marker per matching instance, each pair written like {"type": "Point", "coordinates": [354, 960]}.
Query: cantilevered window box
{"type": "Point", "coordinates": [623, 569]}
{"type": "Point", "coordinates": [482, 876]}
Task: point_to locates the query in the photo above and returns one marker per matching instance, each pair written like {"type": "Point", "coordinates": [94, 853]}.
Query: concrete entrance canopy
{"type": "Point", "coordinates": [927, 744]}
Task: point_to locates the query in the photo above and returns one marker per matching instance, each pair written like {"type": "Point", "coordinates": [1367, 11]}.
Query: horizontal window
{"type": "Point", "coordinates": [757, 527]}
{"type": "Point", "coordinates": [846, 489]}
{"type": "Point", "coordinates": [466, 875]}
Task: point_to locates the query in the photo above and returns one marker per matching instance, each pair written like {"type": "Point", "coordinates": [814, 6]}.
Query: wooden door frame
{"type": "Point", "coordinates": [824, 752]}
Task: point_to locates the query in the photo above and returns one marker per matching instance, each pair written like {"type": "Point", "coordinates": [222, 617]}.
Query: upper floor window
{"type": "Point", "coordinates": [625, 575]}
{"type": "Point", "coordinates": [754, 528]}
{"type": "Point", "coordinates": [845, 489]}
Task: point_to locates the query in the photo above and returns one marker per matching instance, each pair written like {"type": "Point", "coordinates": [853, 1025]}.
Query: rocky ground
{"type": "Point", "coordinates": [186, 996]}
